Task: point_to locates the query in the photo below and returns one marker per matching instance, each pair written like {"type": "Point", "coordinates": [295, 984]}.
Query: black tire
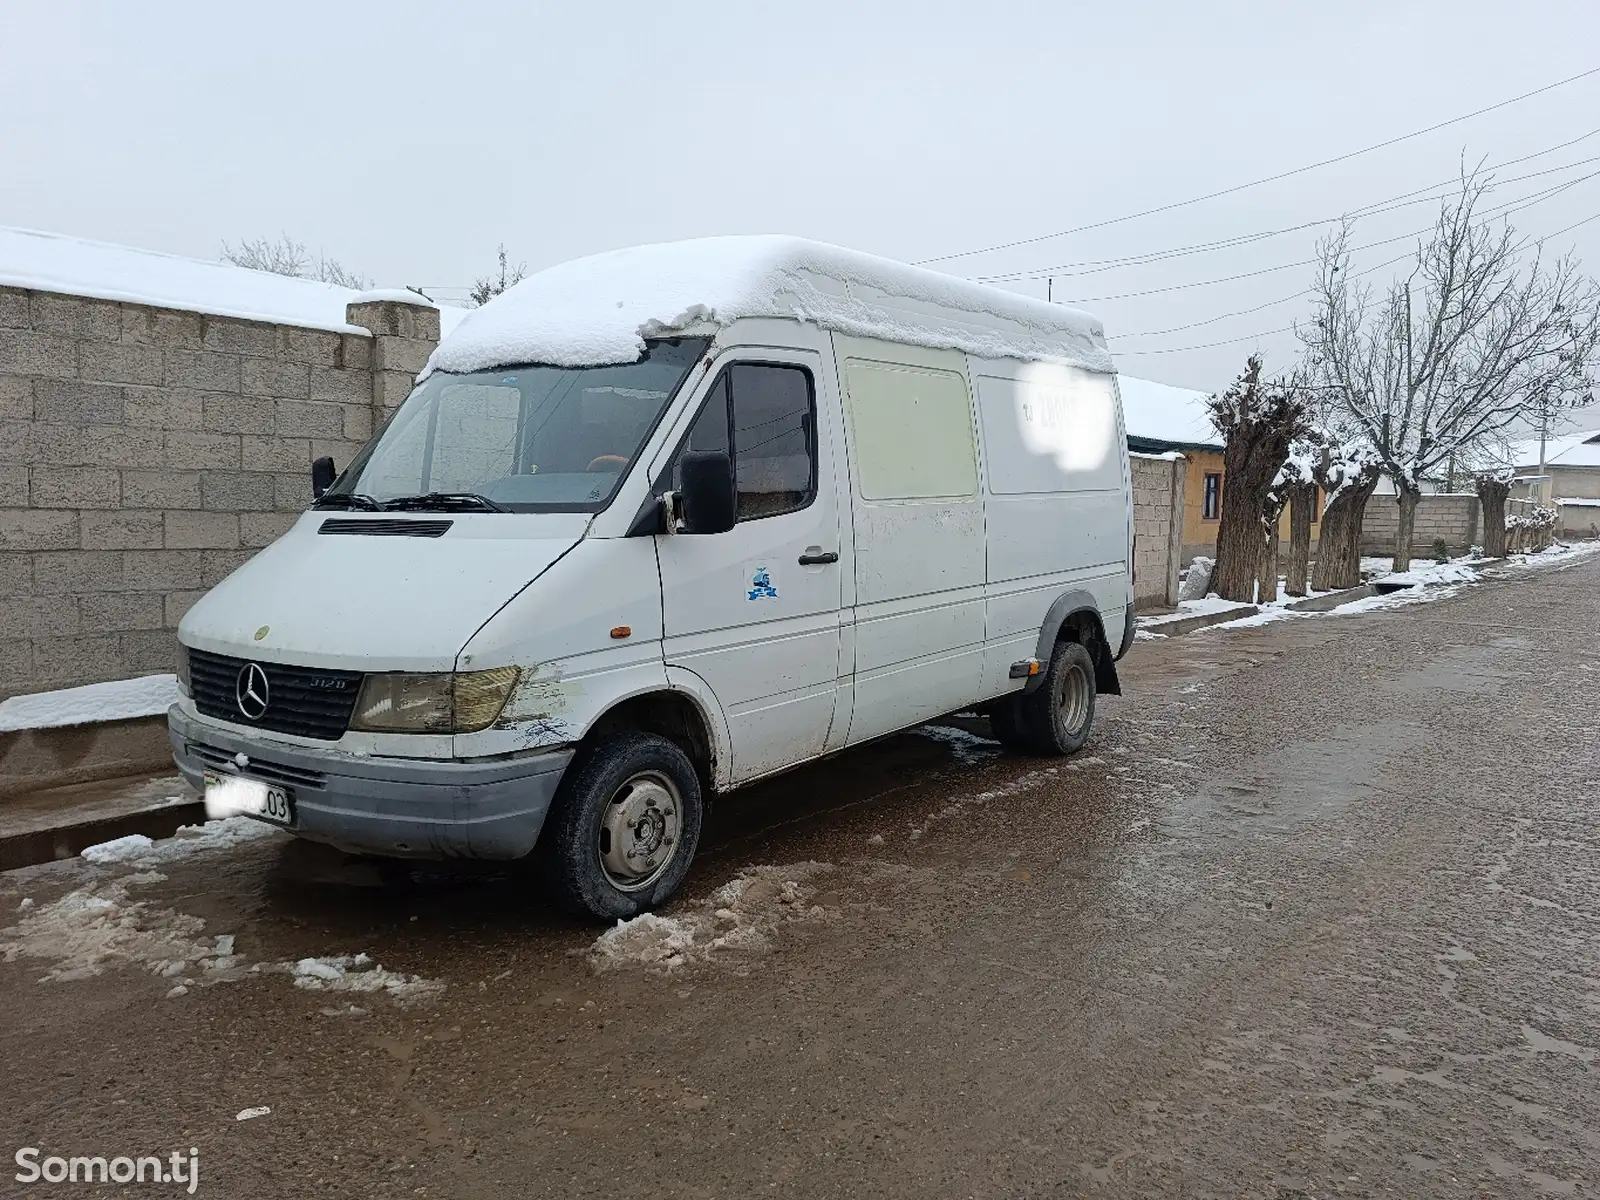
{"type": "Point", "coordinates": [1005, 722]}
{"type": "Point", "coordinates": [1058, 714]}
{"type": "Point", "coordinates": [574, 845]}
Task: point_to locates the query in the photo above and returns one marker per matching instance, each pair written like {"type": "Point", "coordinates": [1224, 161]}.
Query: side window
{"type": "Point", "coordinates": [764, 417]}
{"type": "Point", "coordinates": [1211, 501]}
{"type": "Point", "coordinates": [775, 454]}
{"type": "Point", "coordinates": [913, 431]}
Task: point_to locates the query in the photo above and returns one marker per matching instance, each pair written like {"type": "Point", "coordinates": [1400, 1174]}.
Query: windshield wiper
{"type": "Point", "coordinates": [347, 500]}
{"type": "Point", "coordinates": [444, 501]}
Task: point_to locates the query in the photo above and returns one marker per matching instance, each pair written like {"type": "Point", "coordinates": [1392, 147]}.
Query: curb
{"type": "Point", "coordinates": [41, 845]}
{"type": "Point", "coordinates": [1332, 599]}
{"type": "Point", "coordinates": [1200, 621]}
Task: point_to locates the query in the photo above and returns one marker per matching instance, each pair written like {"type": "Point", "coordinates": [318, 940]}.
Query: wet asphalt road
{"type": "Point", "coordinates": [1316, 913]}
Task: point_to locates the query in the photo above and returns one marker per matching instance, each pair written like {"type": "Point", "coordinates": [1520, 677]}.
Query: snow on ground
{"type": "Point", "coordinates": [1556, 554]}
{"type": "Point", "coordinates": [358, 973]}
{"type": "Point", "coordinates": [118, 700]}
{"type": "Point", "coordinates": [741, 916]}
{"type": "Point", "coordinates": [189, 839]}
{"type": "Point", "coordinates": [1425, 583]}
{"type": "Point", "coordinates": [599, 309]}
{"type": "Point", "coordinates": [967, 748]}
{"type": "Point", "coordinates": [102, 925]}
{"type": "Point", "coordinates": [1189, 608]}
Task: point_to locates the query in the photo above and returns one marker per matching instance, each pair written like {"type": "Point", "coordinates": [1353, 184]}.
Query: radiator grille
{"type": "Point", "coordinates": [311, 702]}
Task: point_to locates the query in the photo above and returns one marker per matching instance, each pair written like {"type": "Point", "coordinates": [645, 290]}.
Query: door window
{"type": "Point", "coordinates": [764, 416]}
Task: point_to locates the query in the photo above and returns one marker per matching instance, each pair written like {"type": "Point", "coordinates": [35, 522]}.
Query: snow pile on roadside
{"type": "Point", "coordinates": [118, 700]}
{"type": "Point", "coordinates": [123, 849]}
{"type": "Point", "coordinates": [189, 839]}
{"type": "Point", "coordinates": [358, 973]}
{"type": "Point", "coordinates": [99, 926]}
{"type": "Point", "coordinates": [1455, 571]}
{"type": "Point", "coordinates": [1204, 606]}
{"type": "Point", "coordinates": [741, 915]}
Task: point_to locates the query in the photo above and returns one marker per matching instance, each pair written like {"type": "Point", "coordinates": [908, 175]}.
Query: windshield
{"type": "Point", "coordinates": [527, 439]}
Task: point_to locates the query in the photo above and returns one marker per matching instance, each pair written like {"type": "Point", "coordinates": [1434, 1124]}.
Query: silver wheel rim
{"type": "Point", "coordinates": [1076, 696]}
{"type": "Point", "coordinates": [640, 831]}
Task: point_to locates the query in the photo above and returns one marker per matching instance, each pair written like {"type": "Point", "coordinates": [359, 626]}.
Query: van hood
{"type": "Point", "coordinates": [359, 602]}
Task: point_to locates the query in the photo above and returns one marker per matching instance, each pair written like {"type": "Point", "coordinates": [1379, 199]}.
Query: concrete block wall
{"type": "Point", "coordinates": [1158, 483]}
{"type": "Point", "coordinates": [1455, 518]}
{"type": "Point", "coordinates": [147, 452]}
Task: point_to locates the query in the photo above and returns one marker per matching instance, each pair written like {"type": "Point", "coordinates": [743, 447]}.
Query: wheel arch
{"type": "Point", "coordinates": [678, 714]}
{"type": "Point", "coordinates": [1074, 616]}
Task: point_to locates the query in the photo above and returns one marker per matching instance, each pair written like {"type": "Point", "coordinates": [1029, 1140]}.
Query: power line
{"type": "Point", "coordinates": [1504, 209]}
{"type": "Point", "coordinates": [1376, 208]}
{"type": "Point", "coordinates": [1247, 311]}
{"type": "Point", "coordinates": [1327, 162]}
{"type": "Point", "coordinates": [1250, 337]}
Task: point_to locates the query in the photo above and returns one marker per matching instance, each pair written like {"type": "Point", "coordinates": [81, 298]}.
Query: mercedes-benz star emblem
{"type": "Point", "coordinates": [251, 691]}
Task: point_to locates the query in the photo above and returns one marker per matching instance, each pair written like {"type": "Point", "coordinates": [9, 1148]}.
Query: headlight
{"type": "Point", "coordinates": [183, 672]}
{"type": "Point", "coordinates": [439, 702]}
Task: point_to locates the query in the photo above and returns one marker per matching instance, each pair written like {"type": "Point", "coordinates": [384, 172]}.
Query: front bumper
{"type": "Point", "coordinates": [406, 808]}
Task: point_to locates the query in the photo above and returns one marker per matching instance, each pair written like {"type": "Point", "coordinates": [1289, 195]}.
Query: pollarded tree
{"type": "Point", "coordinates": [1257, 420]}
{"type": "Point", "coordinates": [1481, 332]}
{"type": "Point", "coordinates": [1347, 472]}
{"type": "Point", "coordinates": [1296, 483]}
{"type": "Point", "coordinates": [1493, 489]}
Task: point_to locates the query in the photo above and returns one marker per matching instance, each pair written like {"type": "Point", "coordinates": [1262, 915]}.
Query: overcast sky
{"type": "Point", "coordinates": [408, 139]}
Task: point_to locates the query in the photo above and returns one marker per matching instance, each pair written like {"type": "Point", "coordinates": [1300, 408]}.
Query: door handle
{"type": "Point", "coordinates": [808, 559]}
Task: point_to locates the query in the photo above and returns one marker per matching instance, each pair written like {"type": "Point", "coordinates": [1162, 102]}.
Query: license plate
{"type": "Point", "coordinates": [234, 795]}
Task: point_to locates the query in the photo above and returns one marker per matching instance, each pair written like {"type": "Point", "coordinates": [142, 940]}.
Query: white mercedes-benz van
{"type": "Point", "coordinates": [658, 523]}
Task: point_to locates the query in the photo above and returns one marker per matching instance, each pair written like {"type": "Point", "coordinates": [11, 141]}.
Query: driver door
{"type": "Point", "coordinates": [755, 611]}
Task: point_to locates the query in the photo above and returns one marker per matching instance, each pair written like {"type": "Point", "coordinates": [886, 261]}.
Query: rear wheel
{"type": "Point", "coordinates": [622, 828]}
{"type": "Point", "coordinates": [1057, 715]}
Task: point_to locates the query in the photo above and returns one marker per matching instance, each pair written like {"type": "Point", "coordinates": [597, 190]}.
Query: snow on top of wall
{"type": "Point", "coordinates": [599, 310]}
{"type": "Point", "coordinates": [56, 262]}
{"type": "Point", "coordinates": [1581, 449]}
{"type": "Point", "coordinates": [119, 700]}
{"type": "Point", "coordinates": [1163, 413]}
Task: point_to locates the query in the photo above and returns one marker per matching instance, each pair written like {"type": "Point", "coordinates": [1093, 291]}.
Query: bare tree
{"type": "Point", "coordinates": [285, 256]}
{"type": "Point", "coordinates": [490, 286]}
{"type": "Point", "coordinates": [1479, 334]}
{"type": "Point", "coordinates": [1257, 420]}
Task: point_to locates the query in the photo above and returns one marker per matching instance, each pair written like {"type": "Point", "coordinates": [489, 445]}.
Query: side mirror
{"type": "Point", "coordinates": [323, 474]}
{"type": "Point", "coordinates": [706, 493]}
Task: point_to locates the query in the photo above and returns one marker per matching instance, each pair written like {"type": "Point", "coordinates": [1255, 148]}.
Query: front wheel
{"type": "Point", "coordinates": [622, 828]}
{"type": "Point", "coordinates": [1057, 715]}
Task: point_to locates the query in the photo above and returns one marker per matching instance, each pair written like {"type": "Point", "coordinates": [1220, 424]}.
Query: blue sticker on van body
{"type": "Point", "coordinates": [761, 586]}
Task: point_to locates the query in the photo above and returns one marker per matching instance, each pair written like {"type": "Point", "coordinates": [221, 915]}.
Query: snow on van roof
{"type": "Point", "coordinates": [56, 262]}
{"type": "Point", "coordinates": [598, 310]}
{"type": "Point", "coordinates": [1159, 412]}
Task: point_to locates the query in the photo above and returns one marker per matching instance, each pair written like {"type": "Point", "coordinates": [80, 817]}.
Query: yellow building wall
{"type": "Point", "coordinates": [1200, 534]}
